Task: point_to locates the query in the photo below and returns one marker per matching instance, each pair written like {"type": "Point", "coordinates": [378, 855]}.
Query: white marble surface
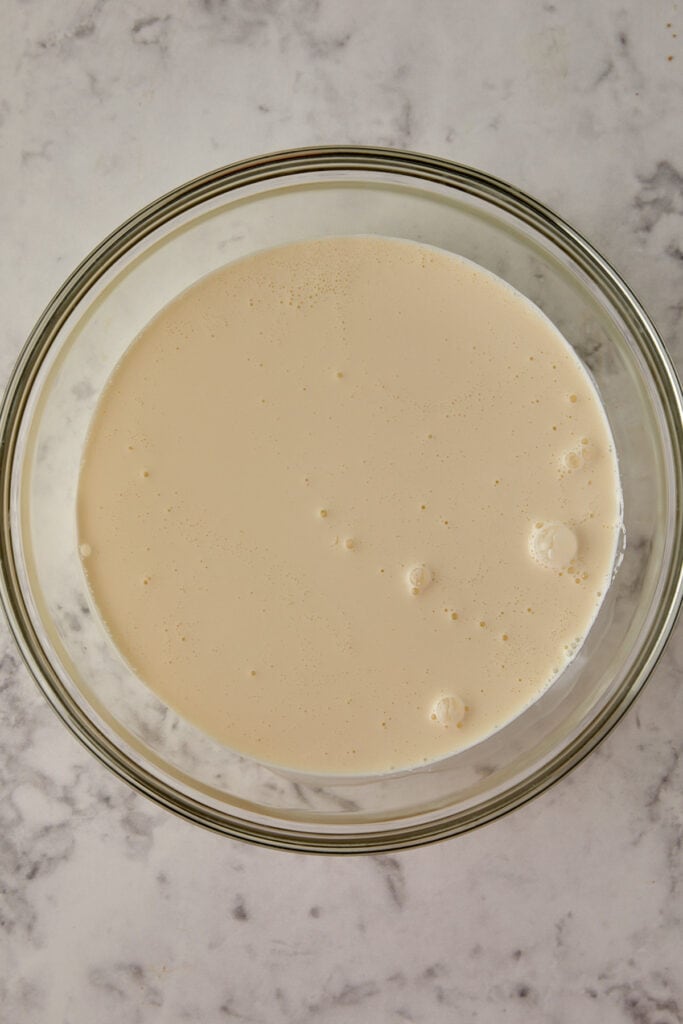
{"type": "Point", "coordinates": [110, 909]}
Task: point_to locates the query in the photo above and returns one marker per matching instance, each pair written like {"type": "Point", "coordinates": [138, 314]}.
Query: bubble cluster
{"type": "Point", "coordinates": [577, 456]}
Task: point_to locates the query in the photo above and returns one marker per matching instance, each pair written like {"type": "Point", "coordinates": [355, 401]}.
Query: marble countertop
{"type": "Point", "coordinates": [111, 910]}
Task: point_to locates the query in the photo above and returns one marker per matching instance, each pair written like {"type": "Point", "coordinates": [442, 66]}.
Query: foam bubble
{"type": "Point", "coordinates": [419, 578]}
{"type": "Point", "coordinates": [553, 545]}
{"type": "Point", "coordinates": [449, 710]}
{"type": "Point", "coordinates": [573, 459]}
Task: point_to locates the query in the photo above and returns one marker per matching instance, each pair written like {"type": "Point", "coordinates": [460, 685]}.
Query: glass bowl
{"type": "Point", "coordinates": [268, 201]}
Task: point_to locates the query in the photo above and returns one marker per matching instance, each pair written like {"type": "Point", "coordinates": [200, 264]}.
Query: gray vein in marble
{"type": "Point", "coordinates": [667, 778]}
{"type": "Point", "coordinates": [391, 870]}
{"type": "Point", "coordinates": [82, 27]}
{"type": "Point", "coordinates": [641, 1007]}
{"type": "Point", "coordinates": [118, 980]}
{"type": "Point", "coordinates": [240, 24]}
{"type": "Point", "coordinates": [660, 195]}
{"type": "Point", "coordinates": [239, 910]}
{"type": "Point", "coordinates": [28, 849]}
{"type": "Point", "coordinates": [151, 31]}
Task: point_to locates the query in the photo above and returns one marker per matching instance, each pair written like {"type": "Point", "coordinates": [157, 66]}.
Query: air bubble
{"type": "Point", "coordinates": [572, 460]}
{"type": "Point", "coordinates": [577, 456]}
{"type": "Point", "coordinates": [448, 711]}
{"type": "Point", "coordinates": [419, 578]}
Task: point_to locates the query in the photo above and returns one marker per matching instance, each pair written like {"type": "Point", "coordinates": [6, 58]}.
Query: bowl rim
{"type": "Point", "coordinates": [221, 181]}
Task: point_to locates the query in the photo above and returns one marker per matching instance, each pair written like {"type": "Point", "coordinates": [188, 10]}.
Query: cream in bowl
{"type": "Point", "coordinates": [349, 505]}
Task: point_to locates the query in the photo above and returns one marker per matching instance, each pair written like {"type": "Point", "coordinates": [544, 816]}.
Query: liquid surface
{"type": "Point", "coordinates": [349, 505]}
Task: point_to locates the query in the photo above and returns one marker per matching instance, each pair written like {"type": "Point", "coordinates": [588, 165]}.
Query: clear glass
{"type": "Point", "coordinates": [167, 247]}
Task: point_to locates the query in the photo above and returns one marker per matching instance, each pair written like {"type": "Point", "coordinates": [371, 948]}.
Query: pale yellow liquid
{"type": "Point", "coordinates": [330, 500]}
